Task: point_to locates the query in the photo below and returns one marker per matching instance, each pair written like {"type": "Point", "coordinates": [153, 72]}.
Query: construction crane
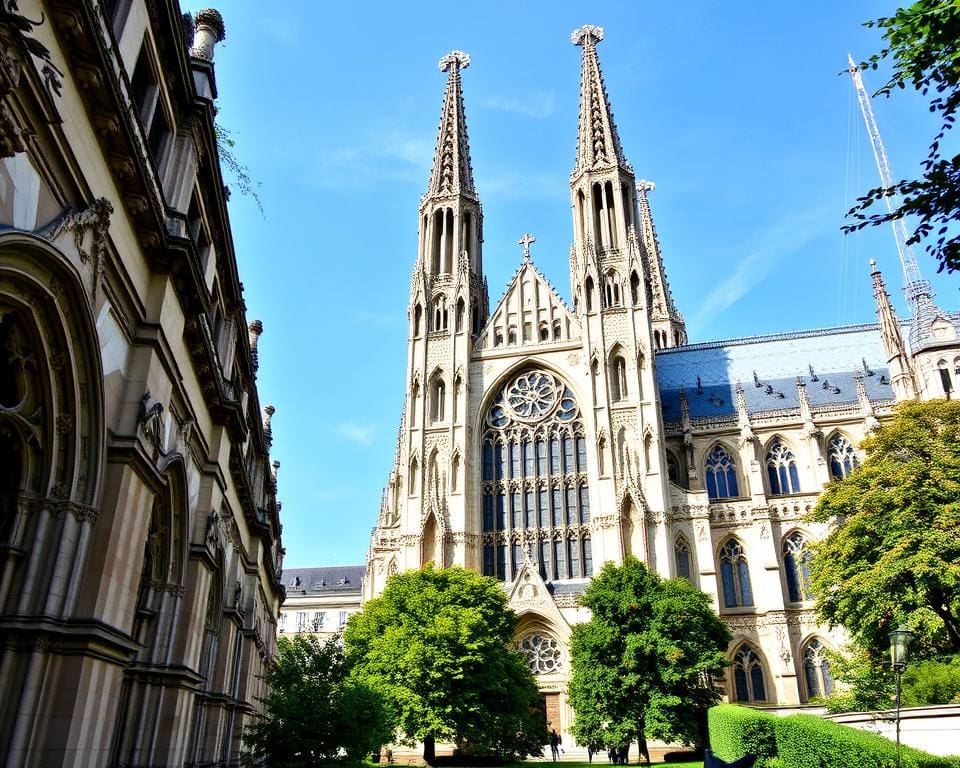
{"type": "Point", "coordinates": [916, 290]}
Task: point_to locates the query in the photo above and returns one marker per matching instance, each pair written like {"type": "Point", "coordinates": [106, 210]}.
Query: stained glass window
{"type": "Point", "coordinates": [796, 563]}
{"type": "Point", "coordinates": [748, 675]}
{"type": "Point", "coordinates": [681, 552]}
{"type": "Point", "coordinates": [816, 670]}
{"type": "Point", "coordinates": [842, 457]}
{"type": "Point", "coordinates": [782, 470]}
{"type": "Point", "coordinates": [721, 474]}
{"type": "Point", "coordinates": [735, 575]}
{"type": "Point", "coordinates": [533, 478]}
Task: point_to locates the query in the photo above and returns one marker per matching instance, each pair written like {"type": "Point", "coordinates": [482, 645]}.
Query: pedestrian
{"type": "Point", "coordinates": [589, 752]}
{"type": "Point", "coordinates": [612, 756]}
{"type": "Point", "coordinates": [622, 755]}
{"type": "Point", "coordinates": [554, 745]}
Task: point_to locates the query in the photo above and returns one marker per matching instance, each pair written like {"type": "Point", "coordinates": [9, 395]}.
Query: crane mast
{"type": "Point", "coordinates": [915, 288]}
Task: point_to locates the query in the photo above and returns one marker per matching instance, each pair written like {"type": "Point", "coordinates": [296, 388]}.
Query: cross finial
{"type": "Point", "coordinates": [455, 61]}
{"type": "Point", "coordinates": [589, 34]}
{"type": "Point", "coordinates": [526, 241]}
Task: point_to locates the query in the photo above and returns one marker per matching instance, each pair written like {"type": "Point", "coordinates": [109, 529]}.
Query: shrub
{"type": "Point", "coordinates": [736, 731]}
{"type": "Point", "coordinates": [808, 741]}
{"type": "Point", "coordinates": [932, 682]}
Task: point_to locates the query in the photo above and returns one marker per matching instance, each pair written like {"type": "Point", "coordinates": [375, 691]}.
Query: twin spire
{"type": "Point", "coordinates": [452, 172]}
{"type": "Point", "coordinates": [598, 144]}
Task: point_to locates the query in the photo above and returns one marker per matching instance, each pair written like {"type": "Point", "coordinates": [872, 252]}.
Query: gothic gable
{"type": "Point", "coordinates": [530, 313]}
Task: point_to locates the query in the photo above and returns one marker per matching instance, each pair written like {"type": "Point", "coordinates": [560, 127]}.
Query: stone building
{"type": "Point", "coordinates": [139, 532]}
{"type": "Point", "coordinates": [320, 600]}
{"type": "Point", "coordinates": [540, 440]}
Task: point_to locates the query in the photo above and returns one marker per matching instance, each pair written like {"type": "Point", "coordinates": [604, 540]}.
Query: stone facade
{"type": "Point", "coordinates": [540, 440]}
{"type": "Point", "coordinates": [320, 600]}
{"type": "Point", "coordinates": [139, 532]}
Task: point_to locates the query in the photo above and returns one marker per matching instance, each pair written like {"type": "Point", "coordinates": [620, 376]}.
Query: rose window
{"type": "Point", "coordinates": [532, 396]}
{"type": "Point", "coordinates": [543, 654]}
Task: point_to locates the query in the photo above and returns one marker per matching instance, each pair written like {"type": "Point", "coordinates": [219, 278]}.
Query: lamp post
{"type": "Point", "coordinates": [899, 641]}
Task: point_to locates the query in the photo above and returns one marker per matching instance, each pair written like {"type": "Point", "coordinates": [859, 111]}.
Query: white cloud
{"type": "Point", "coordinates": [765, 252]}
{"type": "Point", "coordinates": [377, 157]}
{"type": "Point", "coordinates": [536, 105]}
{"type": "Point", "coordinates": [361, 434]}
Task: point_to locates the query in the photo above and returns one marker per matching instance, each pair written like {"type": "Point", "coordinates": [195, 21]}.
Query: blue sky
{"type": "Point", "coordinates": [735, 110]}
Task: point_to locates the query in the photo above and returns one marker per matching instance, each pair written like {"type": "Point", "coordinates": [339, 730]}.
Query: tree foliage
{"type": "Point", "coordinates": [934, 681]}
{"type": "Point", "coordinates": [893, 554]}
{"type": "Point", "coordinates": [436, 645]}
{"type": "Point", "coordinates": [641, 667]}
{"type": "Point", "coordinates": [866, 678]}
{"type": "Point", "coordinates": [923, 43]}
{"type": "Point", "coordinates": [226, 149]}
{"type": "Point", "coordinates": [313, 713]}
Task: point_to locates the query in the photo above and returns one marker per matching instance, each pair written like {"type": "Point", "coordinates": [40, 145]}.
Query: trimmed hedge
{"type": "Point", "coordinates": [736, 731]}
{"type": "Point", "coordinates": [807, 741]}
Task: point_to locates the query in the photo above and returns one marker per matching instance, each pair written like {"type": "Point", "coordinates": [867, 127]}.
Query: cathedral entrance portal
{"type": "Point", "coordinates": [551, 708]}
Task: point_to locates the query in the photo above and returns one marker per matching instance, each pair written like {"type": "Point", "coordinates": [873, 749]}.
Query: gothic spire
{"type": "Point", "coordinates": [598, 145]}
{"type": "Point", "coordinates": [901, 375]}
{"type": "Point", "coordinates": [452, 173]}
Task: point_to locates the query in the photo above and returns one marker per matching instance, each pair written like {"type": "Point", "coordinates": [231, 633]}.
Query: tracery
{"type": "Point", "coordinates": [534, 480]}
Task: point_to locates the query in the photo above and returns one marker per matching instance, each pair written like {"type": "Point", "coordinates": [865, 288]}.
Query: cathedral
{"type": "Point", "coordinates": [540, 440]}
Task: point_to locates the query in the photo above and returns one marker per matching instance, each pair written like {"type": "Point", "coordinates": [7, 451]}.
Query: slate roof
{"type": "Point", "coordinates": [826, 360]}
{"type": "Point", "coordinates": [319, 581]}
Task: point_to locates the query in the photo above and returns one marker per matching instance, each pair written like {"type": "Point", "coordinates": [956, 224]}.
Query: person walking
{"type": "Point", "coordinates": [589, 752]}
{"type": "Point", "coordinates": [554, 744]}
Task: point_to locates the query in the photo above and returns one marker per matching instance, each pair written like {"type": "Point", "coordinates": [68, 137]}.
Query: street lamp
{"type": "Point", "coordinates": [899, 641]}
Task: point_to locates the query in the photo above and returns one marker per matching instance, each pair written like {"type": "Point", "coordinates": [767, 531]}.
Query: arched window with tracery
{"type": "Point", "coordinates": [782, 469]}
{"type": "Point", "coordinates": [681, 554]}
{"type": "Point", "coordinates": [796, 564]}
{"type": "Point", "coordinates": [440, 316]}
{"type": "Point", "coordinates": [721, 474]}
{"type": "Point", "coordinates": [612, 291]}
{"type": "Point", "coordinates": [842, 457]}
{"type": "Point", "coordinates": [534, 478]}
{"type": "Point", "coordinates": [735, 575]}
{"type": "Point", "coordinates": [816, 669]}
{"type": "Point", "coordinates": [748, 683]}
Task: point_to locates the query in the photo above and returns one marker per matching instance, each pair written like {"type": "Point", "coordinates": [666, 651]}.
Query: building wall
{"type": "Point", "coordinates": [139, 534]}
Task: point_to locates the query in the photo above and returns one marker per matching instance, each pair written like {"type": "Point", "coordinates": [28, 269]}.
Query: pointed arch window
{"type": "Point", "coordinates": [438, 397]}
{"type": "Point", "coordinates": [634, 288]}
{"type": "Point", "coordinates": [417, 317]}
{"type": "Point", "coordinates": [782, 469]}
{"type": "Point", "coordinates": [816, 669]}
{"type": "Point", "coordinates": [681, 554]}
{"type": "Point", "coordinates": [618, 382]}
{"type": "Point", "coordinates": [842, 457]}
{"type": "Point", "coordinates": [588, 290]}
{"type": "Point", "coordinates": [721, 474]}
{"type": "Point", "coordinates": [748, 683]}
{"type": "Point", "coordinates": [533, 477]}
{"type": "Point", "coordinates": [735, 576]}
{"type": "Point", "coordinates": [612, 292]}
{"type": "Point", "coordinates": [440, 315]}
{"type": "Point", "coordinates": [796, 564]}
{"type": "Point", "coordinates": [461, 312]}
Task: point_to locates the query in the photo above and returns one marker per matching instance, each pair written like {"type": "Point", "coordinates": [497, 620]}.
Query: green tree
{"type": "Point", "coordinates": [866, 677]}
{"type": "Point", "coordinates": [923, 43]}
{"type": "Point", "coordinates": [642, 665]}
{"type": "Point", "coordinates": [893, 553]}
{"type": "Point", "coordinates": [314, 713]}
{"type": "Point", "coordinates": [436, 644]}
{"type": "Point", "coordinates": [934, 681]}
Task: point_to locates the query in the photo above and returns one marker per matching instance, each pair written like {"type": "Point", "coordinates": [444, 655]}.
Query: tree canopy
{"type": "Point", "coordinates": [642, 665]}
{"type": "Point", "coordinates": [436, 645]}
{"type": "Point", "coordinates": [923, 43]}
{"type": "Point", "coordinates": [314, 714]}
{"type": "Point", "coordinates": [893, 554]}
